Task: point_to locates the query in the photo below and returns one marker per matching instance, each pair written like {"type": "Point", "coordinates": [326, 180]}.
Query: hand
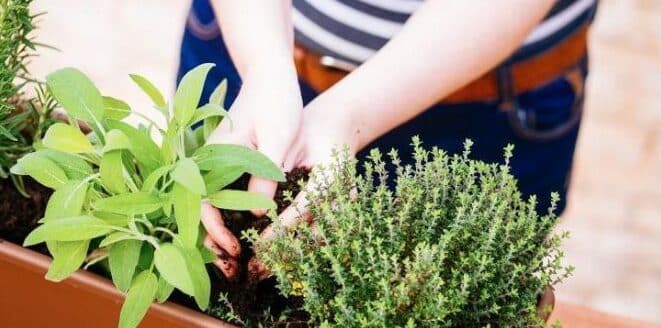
{"type": "Point", "coordinates": [265, 116]}
{"type": "Point", "coordinates": [327, 126]}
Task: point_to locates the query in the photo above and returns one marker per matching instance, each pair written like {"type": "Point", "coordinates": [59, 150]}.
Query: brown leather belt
{"type": "Point", "coordinates": [527, 74]}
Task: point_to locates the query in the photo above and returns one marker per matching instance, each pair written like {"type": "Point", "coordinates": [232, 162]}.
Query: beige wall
{"type": "Point", "coordinates": [615, 205]}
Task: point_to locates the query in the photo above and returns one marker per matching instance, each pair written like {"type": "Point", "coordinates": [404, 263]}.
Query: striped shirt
{"type": "Point", "coordinates": [353, 30]}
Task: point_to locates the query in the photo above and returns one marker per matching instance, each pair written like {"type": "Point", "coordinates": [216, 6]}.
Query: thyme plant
{"type": "Point", "coordinates": [124, 200]}
{"type": "Point", "coordinates": [452, 245]}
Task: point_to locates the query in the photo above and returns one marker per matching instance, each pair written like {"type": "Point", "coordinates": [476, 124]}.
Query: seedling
{"type": "Point", "coordinates": [122, 199]}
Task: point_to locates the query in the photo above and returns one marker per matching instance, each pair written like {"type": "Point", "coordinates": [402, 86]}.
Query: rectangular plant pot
{"type": "Point", "coordinates": [85, 299]}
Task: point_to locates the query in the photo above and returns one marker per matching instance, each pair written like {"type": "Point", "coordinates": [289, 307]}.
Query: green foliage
{"type": "Point", "coordinates": [452, 245]}
{"type": "Point", "coordinates": [22, 121]}
{"type": "Point", "coordinates": [128, 200]}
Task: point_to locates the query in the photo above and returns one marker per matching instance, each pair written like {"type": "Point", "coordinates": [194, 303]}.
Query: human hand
{"type": "Point", "coordinates": [265, 116]}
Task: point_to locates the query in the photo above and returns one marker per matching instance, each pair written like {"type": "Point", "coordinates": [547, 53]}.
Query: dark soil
{"type": "Point", "coordinates": [19, 214]}
{"type": "Point", "coordinates": [249, 300]}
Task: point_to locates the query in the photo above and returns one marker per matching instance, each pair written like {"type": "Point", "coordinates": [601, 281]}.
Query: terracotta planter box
{"type": "Point", "coordinates": [83, 300]}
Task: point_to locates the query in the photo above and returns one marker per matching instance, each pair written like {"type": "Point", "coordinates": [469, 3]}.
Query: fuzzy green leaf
{"type": "Point", "coordinates": [218, 94]}
{"type": "Point", "coordinates": [164, 290]}
{"type": "Point", "coordinates": [67, 201]}
{"type": "Point", "coordinates": [129, 204]}
{"type": "Point", "coordinates": [187, 213]}
{"type": "Point", "coordinates": [68, 229]}
{"type": "Point", "coordinates": [213, 157]}
{"type": "Point", "coordinates": [78, 95]}
{"type": "Point", "coordinates": [67, 138]}
{"type": "Point", "coordinates": [188, 93]}
{"type": "Point", "coordinates": [151, 90]}
{"type": "Point", "coordinates": [188, 175]}
{"type": "Point", "coordinates": [115, 237]}
{"type": "Point", "coordinates": [116, 140]}
{"type": "Point", "coordinates": [138, 299]}
{"type": "Point", "coordinates": [199, 276]}
{"type": "Point", "coordinates": [171, 264]}
{"type": "Point", "coordinates": [123, 258]}
{"type": "Point", "coordinates": [143, 147]}
{"type": "Point", "coordinates": [74, 166]}
{"type": "Point", "coordinates": [150, 183]}
{"type": "Point", "coordinates": [239, 200]}
{"type": "Point", "coordinates": [42, 169]}
{"type": "Point", "coordinates": [116, 109]}
{"type": "Point", "coordinates": [67, 258]}
{"type": "Point", "coordinates": [221, 177]}
{"type": "Point", "coordinates": [111, 172]}
{"type": "Point", "coordinates": [207, 111]}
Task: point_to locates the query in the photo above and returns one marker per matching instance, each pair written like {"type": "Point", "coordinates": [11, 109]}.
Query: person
{"type": "Point", "coordinates": [308, 76]}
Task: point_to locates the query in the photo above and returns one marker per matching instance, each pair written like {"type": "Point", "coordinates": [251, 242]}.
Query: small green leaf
{"type": "Point", "coordinates": [67, 201]}
{"type": "Point", "coordinates": [188, 175]}
{"type": "Point", "coordinates": [129, 204]}
{"type": "Point", "coordinates": [138, 299]}
{"type": "Point", "coordinates": [199, 276]}
{"type": "Point", "coordinates": [116, 109]}
{"type": "Point", "coordinates": [116, 140]}
{"type": "Point", "coordinates": [171, 264]}
{"type": "Point", "coordinates": [43, 170]}
{"type": "Point", "coordinates": [111, 171]}
{"type": "Point", "coordinates": [69, 256]}
{"type": "Point", "coordinates": [164, 290]}
{"type": "Point", "coordinates": [143, 147]}
{"type": "Point", "coordinates": [187, 213]}
{"type": "Point", "coordinates": [151, 90]}
{"type": "Point", "coordinates": [115, 237]}
{"type": "Point", "coordinates": [74, 91]}
{"type": "Point", "coordinates": [67, 138]}
{"type": "Point", "coordinates": [241, 200]}
{"type": "Point", "coordinates": [221, 177]}
{"type": "Point", "coordinates": [218, 95]}
{"type": "Point", "coordinates": [114, 219]}
{"type": "Point", "coordinates": [150, 183]}
{"type": "Point", "coordinates": [68, 229]}
{"type": "Point", "coordinates": [188, 93]}
{"type": "Point", "coordinates": [207, 111]}
{"type": "Point", "coordinates": [211, 157]}
{"type": "Point", "coordinates": [123, 258]}
{"type": "Point", "coordinates": [207, 255]}
{"type": "Point", "coordinates": [74, 166]}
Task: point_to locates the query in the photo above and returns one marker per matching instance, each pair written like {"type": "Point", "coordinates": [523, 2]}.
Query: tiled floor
{"type": "Point", "coordinates": [615, 204]}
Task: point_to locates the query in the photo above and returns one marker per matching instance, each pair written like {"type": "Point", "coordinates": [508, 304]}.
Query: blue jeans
{"type": "Point", "coordinates": [542, 124]}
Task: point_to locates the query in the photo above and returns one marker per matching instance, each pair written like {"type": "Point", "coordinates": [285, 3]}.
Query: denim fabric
{"type": "Point", "coordinates": [543, 124]}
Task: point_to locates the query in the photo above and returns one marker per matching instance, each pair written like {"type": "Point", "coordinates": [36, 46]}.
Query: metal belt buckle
{"type": "Point", "coordinates": [336, 63]}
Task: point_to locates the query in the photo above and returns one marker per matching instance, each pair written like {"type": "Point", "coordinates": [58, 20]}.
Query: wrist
{"type": "Point", "coordinates": [274, 72]}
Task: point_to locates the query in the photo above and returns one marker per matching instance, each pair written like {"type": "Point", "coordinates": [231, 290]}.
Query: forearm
{"type": "Point", "coordinates": [443, 46]}
{"type": "Point", "coordinates": [259, 37]}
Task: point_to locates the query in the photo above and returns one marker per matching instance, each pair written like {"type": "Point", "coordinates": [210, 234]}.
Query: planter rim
{"type": "Point", "coordinates": [102, 287]}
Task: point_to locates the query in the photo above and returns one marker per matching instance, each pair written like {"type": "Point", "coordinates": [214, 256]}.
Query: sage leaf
{"type": "Point", "coordinates": [116, 140]}
{"type": "Point", "coordinates": [210, 157]}
{"type": "Point", "coordinates": [199, 276]}
{"type": "Point", "coordinates": [186, 205]}
{"type": "Point", "coordinates": [76, 93]}
{"type": "Point", "coordinates": [115, 237]}
{"type": "Point", "coordinates": [208, 255]}
{"type": "Point", "coordinates": [114, 219]}
{"type": "Point", "coordinates": [68, 257]}
{"type": "Point", "coordinates": [67, 201]}
{"type": "Point", "coordinates": [111, 172]}
{"type": "Point", "coordinates": [218, 94]}
{"type": "Point", "coordinates": [221, 177]}
{"type": "Point", "coordinates": [129, 204]}
{"type": "Point", "coordinates": [239, 200]}
{"type": "Point", "coordinates": [207, 111]}
{"type": "Point", "coordinates": [164, 290]}
{"type": "Point", "coordinates": [43, 170]}
{"type": "Point", "coordinates": [150, 183]}
{"type": "Point", "coordinates": [115, 109]}
{"type": "Point", "coordinates": [67, 138]}
{"type": "Point", "coordinates": [138, 299]}
{"type": "Point", "coordinates": [73, 166]}
{"type": "Point", "coordinates": [123, 258]}
{"type": "Point", "coordinates": [68, 229]}
{"type": "Point", "coordinates": [188, 94]}
{"type": "Point", "coordinates": [188, 175]}
{"type": "Point", "coordinates": [171, 264]}
{"type": "Point", "coordinates": [151, 90]}
{"type": "Point", "coordinates": [143, 147]}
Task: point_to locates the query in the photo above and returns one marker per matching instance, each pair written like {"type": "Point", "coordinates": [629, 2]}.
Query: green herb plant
{"type": "Point", "coordinates": [132, 204]}
{"type": "Point", "coordinates": [452, 245]}
{"type": "Point", "coordinates": [22, 121]}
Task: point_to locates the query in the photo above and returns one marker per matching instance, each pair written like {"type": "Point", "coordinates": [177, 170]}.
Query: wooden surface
{"type": "Point", "coordinates": [578, 316]}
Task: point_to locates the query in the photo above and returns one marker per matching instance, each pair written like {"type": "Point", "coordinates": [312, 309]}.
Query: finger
{"type": "Point", "coordinates": [276, 153]}
{"type": "Point", "coordinates": [257, 271]}
{"type": "Point", "coordinates": [292, 215]}
{"type": "Point", "coordinates": [229, 267]}
{"type": "Point", "coordinates": [218, 232]}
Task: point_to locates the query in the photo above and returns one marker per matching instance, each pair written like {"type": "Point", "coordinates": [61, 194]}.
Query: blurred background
{"type": "Point", "coordinates": [614, 212]}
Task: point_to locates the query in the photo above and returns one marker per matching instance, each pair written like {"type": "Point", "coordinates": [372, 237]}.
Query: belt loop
{"type": "Point", "coordinates": [505, 82]}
